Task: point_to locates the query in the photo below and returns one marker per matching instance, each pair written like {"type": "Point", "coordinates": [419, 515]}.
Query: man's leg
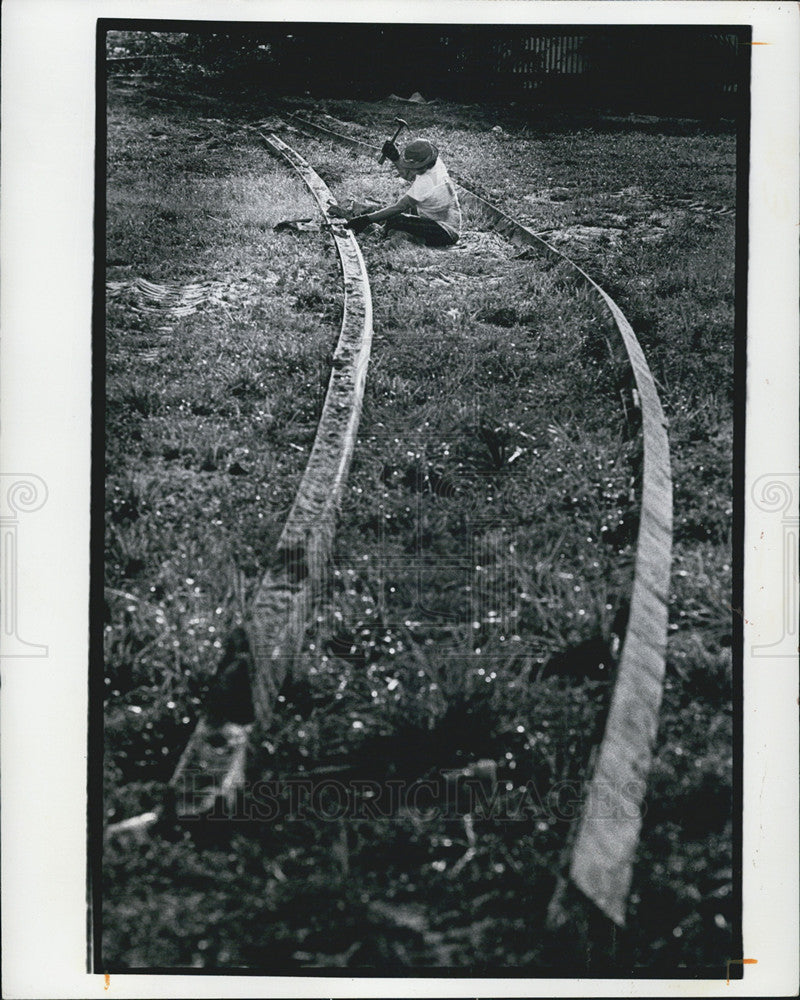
{"type": "Point", "coordinates": [429, 231]}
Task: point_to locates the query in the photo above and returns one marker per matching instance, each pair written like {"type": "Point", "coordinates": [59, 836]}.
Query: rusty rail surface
{"type": "Point", "coordinates": [212, 766]}
{"type": "Point", "coordinates": [608, 830]}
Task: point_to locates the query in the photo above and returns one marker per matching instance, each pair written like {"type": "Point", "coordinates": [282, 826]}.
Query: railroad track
{"type": "Point", "coordinates": [603, 849]}
{"type": "Point", "coordinates": [607, 833]}
{"type": "Point", "coordinates": [212, 766]}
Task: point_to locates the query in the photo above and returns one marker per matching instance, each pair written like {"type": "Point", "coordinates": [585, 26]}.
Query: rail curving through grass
{"type": "Point", "coordinates": [281, 604]}
{"type": "Point", "coordinates": [212, 766]}
{"type": "Point", "coordinates": [607, 832]}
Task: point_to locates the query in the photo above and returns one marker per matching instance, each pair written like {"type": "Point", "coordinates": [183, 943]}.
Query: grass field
{"type": "Point", "coordinates": [486, 536]}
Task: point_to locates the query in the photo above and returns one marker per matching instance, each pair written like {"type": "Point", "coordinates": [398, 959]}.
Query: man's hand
{"type": "Point", "coordinates": [359, 223]}
{"type": "Point", "coordinates": [390, 151]}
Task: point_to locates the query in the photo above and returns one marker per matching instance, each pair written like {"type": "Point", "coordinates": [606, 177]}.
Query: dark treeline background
{"type": "Point", "coordinates": [687, 70]}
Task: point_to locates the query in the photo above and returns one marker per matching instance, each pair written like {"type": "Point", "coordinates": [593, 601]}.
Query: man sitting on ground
{"type": "Point", "coordinates": [429, 210]}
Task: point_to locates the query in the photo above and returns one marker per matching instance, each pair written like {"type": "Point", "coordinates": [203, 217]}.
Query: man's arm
{"type": "Point", "coordinates": [398, 208]}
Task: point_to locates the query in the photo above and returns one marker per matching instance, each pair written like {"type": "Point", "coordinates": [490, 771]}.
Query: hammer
{"type": "Point", "coordinates": [401, 124]}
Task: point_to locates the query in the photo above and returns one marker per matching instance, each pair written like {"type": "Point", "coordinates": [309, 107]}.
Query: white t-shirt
{"type": "Point", "coordinates": [434, 194]}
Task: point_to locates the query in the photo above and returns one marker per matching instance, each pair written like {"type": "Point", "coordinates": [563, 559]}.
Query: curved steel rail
{"type": "Point", "coordinates": [608, 829]}
{"type": "Point", "coordinates": [281, 604]}
{"type": "Point", "coordinates": [213, 763]}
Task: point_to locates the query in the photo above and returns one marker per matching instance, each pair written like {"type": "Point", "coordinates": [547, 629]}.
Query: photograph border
{"type": "Point", "coordinates": [48, 129]}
